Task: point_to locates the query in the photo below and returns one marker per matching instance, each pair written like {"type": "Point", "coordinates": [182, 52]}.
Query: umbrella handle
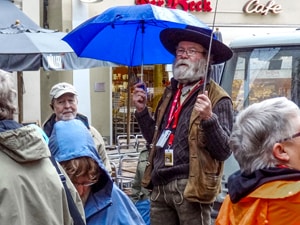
{"type": "Point", "coordinates": [134, 79]}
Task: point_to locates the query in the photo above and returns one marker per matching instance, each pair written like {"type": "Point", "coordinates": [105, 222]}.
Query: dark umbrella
{"type": "Point", "coordinates": [28, 49]}
{"type": "Point", "coordinates": [129, 35]}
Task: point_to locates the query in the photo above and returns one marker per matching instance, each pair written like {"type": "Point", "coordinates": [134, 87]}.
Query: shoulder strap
{"type": "Point", "coordinates": [72, 206]}
{"type": "Point", "coordinates": [161, 112]}
{"type": "Point", "coordinates": [146, 181]}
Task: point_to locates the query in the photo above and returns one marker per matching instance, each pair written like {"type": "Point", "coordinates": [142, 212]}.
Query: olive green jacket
{"type": "Point", "coordinates": [138, 191]}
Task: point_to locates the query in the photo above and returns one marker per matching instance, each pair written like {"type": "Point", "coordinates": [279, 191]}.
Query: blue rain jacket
{"type": "Point", "coordinates": [106, 204]}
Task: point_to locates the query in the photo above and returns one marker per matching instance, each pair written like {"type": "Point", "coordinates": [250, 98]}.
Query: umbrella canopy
{"type": "Point", "coordinates": [129, 35]}
{"type": "Point", "coordinates": [27, 49]}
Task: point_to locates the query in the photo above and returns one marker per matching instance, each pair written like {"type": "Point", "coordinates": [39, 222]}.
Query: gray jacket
{"type": "Point", "coordinates": [31, 191]}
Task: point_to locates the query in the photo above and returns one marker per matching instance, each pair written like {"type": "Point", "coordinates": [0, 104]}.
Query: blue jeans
{"type": "Point", "coordinates": [168, 206]}
{"type": "Point", "coordinates": [143, 206]}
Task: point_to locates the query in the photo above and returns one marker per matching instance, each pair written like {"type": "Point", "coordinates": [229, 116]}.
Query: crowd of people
{"type": "Point", "coordinates": [60, 173]}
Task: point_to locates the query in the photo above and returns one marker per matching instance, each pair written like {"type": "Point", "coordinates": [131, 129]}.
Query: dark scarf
{"type": "Point", "coordinates": [240, 185]}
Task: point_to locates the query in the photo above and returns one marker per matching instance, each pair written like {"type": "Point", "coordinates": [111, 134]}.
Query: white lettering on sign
{"type": "Point", "coordinates": [54, 62]}
{"type": "Point", "coordinates": [254, 6]}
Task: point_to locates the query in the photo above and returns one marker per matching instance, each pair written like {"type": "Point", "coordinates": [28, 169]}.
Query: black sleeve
{"type": "Point", "coordinates": [218, 129]}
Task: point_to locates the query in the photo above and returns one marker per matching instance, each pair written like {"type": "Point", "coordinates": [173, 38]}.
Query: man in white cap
{"type": "Point", "coordinates": [189, 133]}
{"type": "Point", "coordinates": [64, 104]}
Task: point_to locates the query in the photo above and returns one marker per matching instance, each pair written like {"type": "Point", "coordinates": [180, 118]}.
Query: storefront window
{"type": "Point", "coordinates": [155, 77]}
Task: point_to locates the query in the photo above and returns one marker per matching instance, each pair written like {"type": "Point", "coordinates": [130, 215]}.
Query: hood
{"type": "Point", "coordinates": [240, 184]}
{"type": "Point", "coordinates": [49, 123]}
{"type": "Point", "coordinates": [22, 143]}
{"type": "Point", "coordinates": [71, 139]}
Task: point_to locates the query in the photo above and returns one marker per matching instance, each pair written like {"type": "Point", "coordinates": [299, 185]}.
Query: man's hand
{"type": "Point", "coordinates": [139, 97]}
{"type": "Point", "coordinates": [203, 106]}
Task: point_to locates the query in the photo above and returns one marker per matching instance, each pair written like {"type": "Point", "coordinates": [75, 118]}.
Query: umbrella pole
{"type": "Point", "coordinates": [142, 73]}
{"type": "Point", "coordinates": [209, 48]}
{"type": "Point", "coordinates": [20, 95]}
{"type": "Point", "coordinates": [128, 106]}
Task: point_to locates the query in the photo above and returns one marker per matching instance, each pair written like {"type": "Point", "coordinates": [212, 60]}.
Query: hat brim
{"type": "Point", "coordinates": [171, 37]}
{"type": "Point", "coordinates": [62, 92]}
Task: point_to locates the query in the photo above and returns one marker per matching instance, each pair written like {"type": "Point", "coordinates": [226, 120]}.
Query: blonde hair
{"type": "Point", "coordinates": [7, 96]}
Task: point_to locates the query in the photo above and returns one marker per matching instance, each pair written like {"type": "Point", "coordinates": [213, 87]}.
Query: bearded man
{"type": "Point", "coordinates": [189, 132]}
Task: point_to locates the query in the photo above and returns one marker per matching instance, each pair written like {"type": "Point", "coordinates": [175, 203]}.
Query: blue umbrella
{"type": "Point", "coordinates": [129, 35]}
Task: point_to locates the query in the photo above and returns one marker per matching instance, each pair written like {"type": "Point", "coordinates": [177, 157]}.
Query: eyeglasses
{"type": "Point", "coordinates": [84, 184]}
{"type": "Point", "coordinates": [289, 138]}
{"type": "Point", "coordinates": [189, 52]}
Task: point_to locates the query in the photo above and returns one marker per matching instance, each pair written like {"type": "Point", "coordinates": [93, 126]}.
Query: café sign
{"type": "Point", "coordinates": [254, 6]}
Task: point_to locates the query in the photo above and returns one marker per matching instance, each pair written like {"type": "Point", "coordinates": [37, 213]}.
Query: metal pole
{"type": "Point", "coordinates": [128, 105]}
{"type": "Point", "coordinates": [20, 84]}
{"type": "Point", "coordinates": [209, 48]}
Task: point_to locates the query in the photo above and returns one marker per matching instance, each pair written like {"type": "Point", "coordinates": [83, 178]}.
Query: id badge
{"type": "Point", "coordinates": [169, 157]}
{"type": "Point", "coordinates": [164, 137]}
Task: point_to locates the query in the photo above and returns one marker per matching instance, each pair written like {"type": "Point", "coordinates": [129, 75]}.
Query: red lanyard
{"type": "Point", "coordinates": [176, 108]}
{"type": "Point", "coordinates": [175, 104]}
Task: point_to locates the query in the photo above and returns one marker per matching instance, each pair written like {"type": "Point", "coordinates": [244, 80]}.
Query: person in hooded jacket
{"type": "Point", "coordinates": [31, 191]}
{"type": "Point", "coordinates": [266, 143]}
{"type": "Point", "coordinates": [104, 202]}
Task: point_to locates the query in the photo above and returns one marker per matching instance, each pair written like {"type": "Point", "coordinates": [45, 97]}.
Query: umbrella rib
{"type": "Point", "coordinates": [134, 42]}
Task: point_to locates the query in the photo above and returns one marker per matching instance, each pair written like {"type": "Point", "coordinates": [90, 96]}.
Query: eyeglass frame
{"type": "Point", "coordinates": [289, 138]}
{"type": "Point", "coordinates": [189, 52]}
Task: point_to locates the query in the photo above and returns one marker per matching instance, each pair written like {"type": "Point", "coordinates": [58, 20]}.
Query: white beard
{"type": "Point", "coordinates": [186, 72]}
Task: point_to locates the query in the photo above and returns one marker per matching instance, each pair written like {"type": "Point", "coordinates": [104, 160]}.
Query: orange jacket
{"type": "Point", "coordinates": [273, 203]}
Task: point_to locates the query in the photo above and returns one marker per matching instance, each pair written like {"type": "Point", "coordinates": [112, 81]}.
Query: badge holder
{"type": "Point", "coordinates": [163, 138]}
{"type": "Point", "coordinates": [169, 157]}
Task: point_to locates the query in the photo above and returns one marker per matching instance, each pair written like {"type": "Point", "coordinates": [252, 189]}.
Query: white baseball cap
{"type": "Point", "coordinates": [62, 88]}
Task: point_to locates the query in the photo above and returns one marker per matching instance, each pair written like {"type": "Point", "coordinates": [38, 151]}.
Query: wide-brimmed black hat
{"type": "Point", "coordinates": [170, 37]}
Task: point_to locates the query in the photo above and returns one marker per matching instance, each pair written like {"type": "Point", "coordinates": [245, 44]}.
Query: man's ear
{"type": "Point", "coordinates": [51, 106]}
{"type": "Point", "coordinates": [280, 153]}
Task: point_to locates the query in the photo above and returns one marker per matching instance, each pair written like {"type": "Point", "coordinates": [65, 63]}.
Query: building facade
{"type": "Point", "coordinates": [233, 18]}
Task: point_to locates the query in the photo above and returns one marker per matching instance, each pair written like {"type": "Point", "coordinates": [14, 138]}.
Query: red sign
{"type": "Point", "coordinates": [186, 5]}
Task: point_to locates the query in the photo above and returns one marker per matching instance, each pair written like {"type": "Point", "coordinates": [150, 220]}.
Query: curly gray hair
{"type": "Point", "coordinates": [7, 96]}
